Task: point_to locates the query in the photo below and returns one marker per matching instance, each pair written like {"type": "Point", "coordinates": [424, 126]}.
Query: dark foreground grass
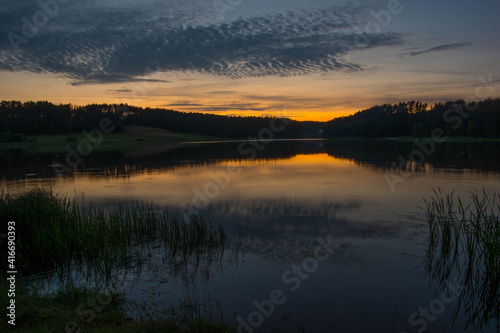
{"type": "Point", "coordinates": [464, 248]}
{"type": "Point", "coordinates": [56, 231]}
{"type": "Point", "coordinates": [90, 310]}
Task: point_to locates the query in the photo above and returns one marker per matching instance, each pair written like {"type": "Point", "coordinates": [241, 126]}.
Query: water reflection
{"type": "Point", "coordinates": [288, 229]}
{"type": "Point", "coordinates": [155, 281]}
{"type": "Point", "coordinates": [20, 164]}
{"type": "Point", "coordinates": [273, 211]}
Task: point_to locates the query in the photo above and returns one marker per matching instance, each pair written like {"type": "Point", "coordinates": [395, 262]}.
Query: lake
{"type": "Point", "coordinates": [323, 236]}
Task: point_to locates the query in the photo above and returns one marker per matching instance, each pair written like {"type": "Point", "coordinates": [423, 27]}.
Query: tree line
{"type": "Point", "coordinates": [35, 118]}
{"type": "Point", "coordinates": [456, 118]}
{"type": "Point", "coordinates": [209, 124]}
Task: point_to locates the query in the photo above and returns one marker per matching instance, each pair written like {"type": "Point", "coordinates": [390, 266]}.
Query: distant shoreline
{"type": "Point", "coordinates": [113, 141]}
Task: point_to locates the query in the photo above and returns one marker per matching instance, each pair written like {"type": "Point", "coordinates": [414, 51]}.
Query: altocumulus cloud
{"type": "Point", "coordinates": [92, 44]}
{"type": "Point", "coordinates": [445, 47]}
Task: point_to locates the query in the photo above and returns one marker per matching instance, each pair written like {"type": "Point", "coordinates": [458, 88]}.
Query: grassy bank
{"type": "Point", "coordinates": [129, 138]}
{"type": "Point", "coordinates": [414, 138]}
{"type": "Point", "coordinates": [92, 310]}
{"type": "Point", "coordinates": [449, 139]}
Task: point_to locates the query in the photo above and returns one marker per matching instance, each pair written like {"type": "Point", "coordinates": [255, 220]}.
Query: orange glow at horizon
{"type": "Point", "coordinates": [199, 93]}
{"type": "Point", "coordinates": [307, 98]}
{"type": "Point", "coordinates": [317, 159]}
{"type": "Point", "coordinates": [299, 115]}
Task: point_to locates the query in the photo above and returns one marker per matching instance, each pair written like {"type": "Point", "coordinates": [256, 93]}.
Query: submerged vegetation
{"type": "Point", "coordinates": [464, 247]}
{"type": "Point", "coordinates": [57, 231]}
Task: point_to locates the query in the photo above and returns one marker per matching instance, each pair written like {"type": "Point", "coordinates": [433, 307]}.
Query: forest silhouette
{"type": "Point", "coordinates": [456, 118]}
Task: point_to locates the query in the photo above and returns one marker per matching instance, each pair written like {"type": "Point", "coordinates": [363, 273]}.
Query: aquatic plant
{"type": "Point", "coordinates": [58, 231]}
{"type": "Point", "coordinates": [464, 245]}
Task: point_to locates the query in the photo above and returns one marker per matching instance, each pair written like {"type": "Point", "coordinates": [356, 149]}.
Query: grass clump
{"type": "Point", "coordinates": [464, 246]}
{"type": "Point", "coordinates": [56, 231]}
{"type": "Point", "coordinates": [82, 309]}
{"type": "Point", "coordinates": [71, 309]}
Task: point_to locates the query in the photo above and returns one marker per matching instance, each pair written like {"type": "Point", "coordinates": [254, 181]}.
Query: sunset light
{"type": "Point", "coordinates": [250, 166]}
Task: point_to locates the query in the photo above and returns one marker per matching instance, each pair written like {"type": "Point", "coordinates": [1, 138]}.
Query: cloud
{"type": "Point", "coordinates": [109, 44]}
{"type": "Point", "coordinates": [280, 101]}
{"type": "Point", "coordinates": [229, 107]}
{"type": "Point", "coordinates": [222, 92]}
{"type": "Point", "coordinates": [119, 91]}
{"type": "Point", "coordinates": [444, 47]}
{"type": "Point", "coordinates": [108, 78]}
{"type": "Point", "coordinates": [183, 104]}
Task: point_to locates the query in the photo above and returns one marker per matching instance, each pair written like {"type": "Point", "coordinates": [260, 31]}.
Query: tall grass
{"type": "Point", "coordinates": [464, 245]}
{"type": "Point", "coordinates": [56, 231]}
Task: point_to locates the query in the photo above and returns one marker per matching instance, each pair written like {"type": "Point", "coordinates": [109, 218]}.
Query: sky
{"type": "Point", "coordinates": [307, 60]}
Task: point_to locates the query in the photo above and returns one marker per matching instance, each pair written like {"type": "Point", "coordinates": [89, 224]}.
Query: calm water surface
{"type": "Point", "coordinates": [314, 226]}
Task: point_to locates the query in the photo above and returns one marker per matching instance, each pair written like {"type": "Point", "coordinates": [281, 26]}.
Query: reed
{"type": "Point", "coordinates": [53, 230]}
{"type": "Point", "coordinates": [464, 246]}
